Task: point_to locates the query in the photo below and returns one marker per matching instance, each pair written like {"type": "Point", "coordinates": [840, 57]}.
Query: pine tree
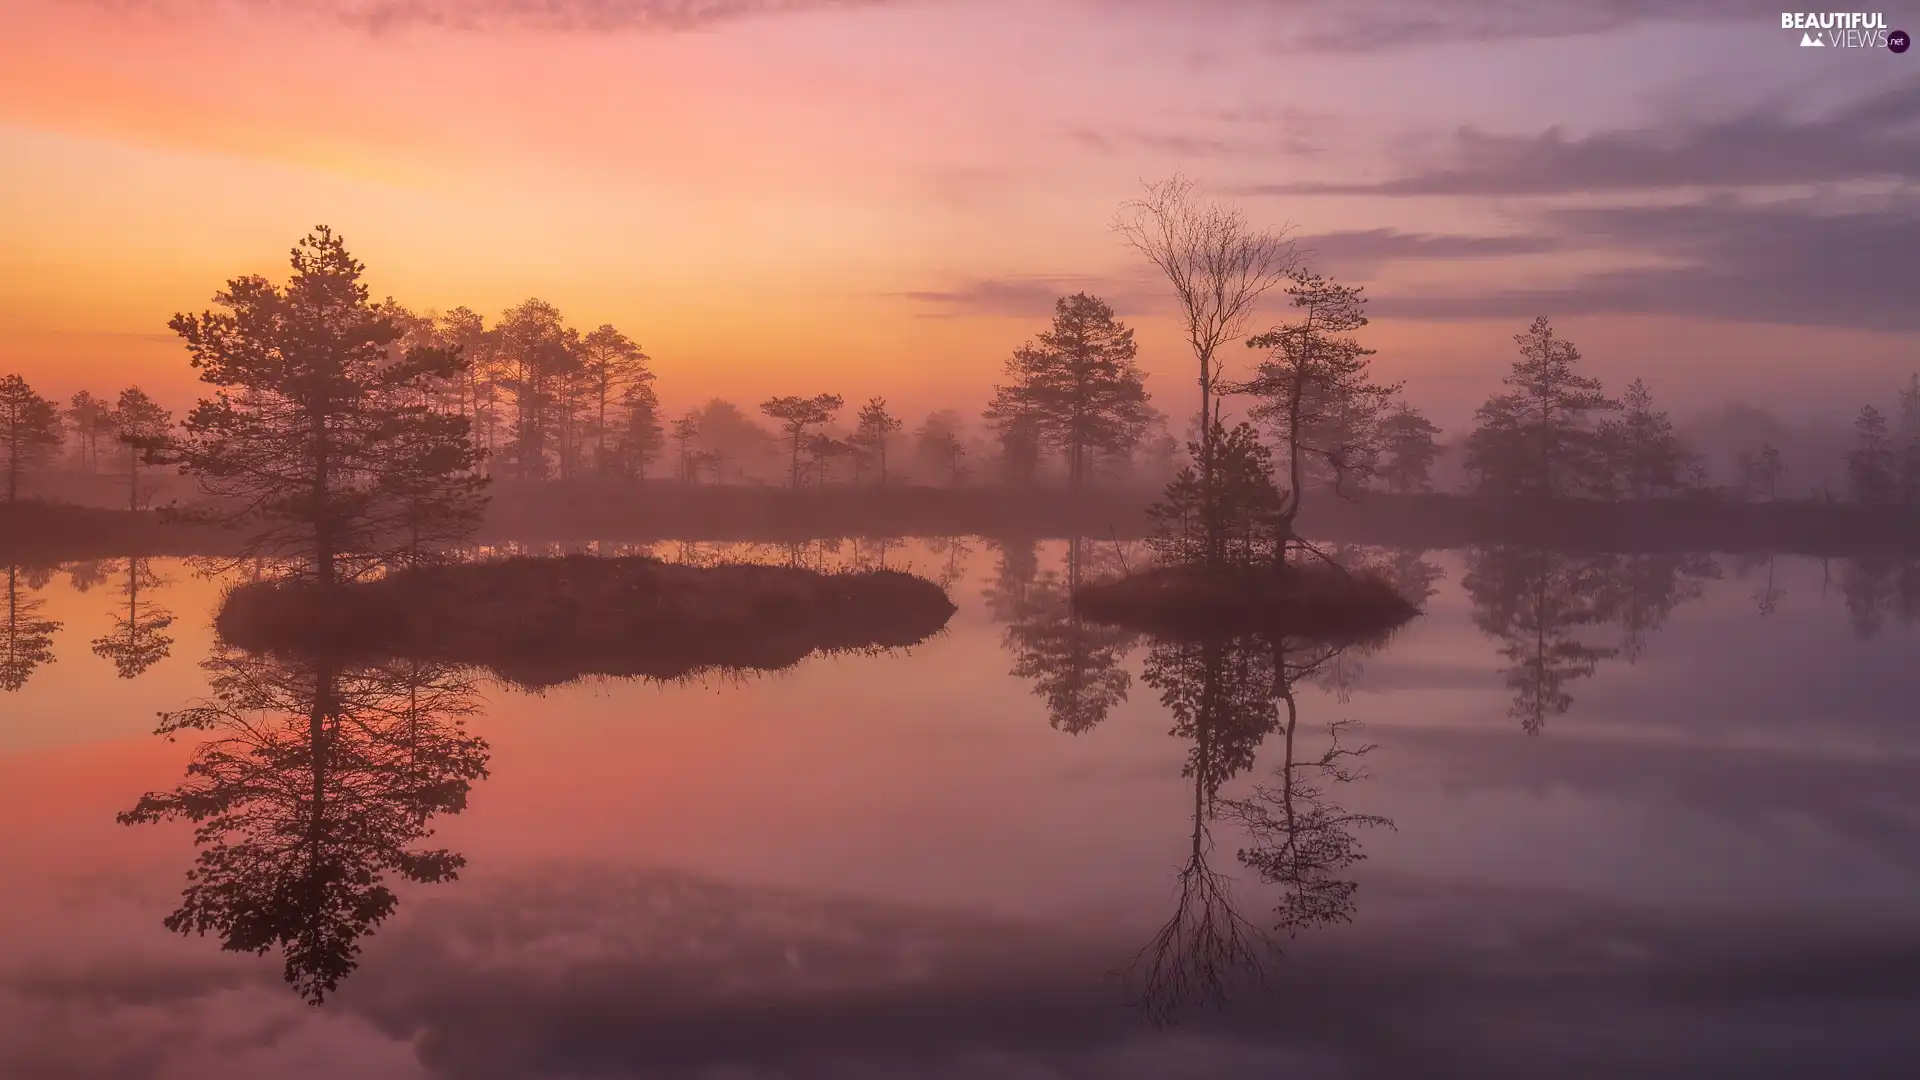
{"type": "Point", "coordinates": [538, 355]}
{"type": "Point", "coordinates": [1647, 459]}
{"type": "Point", "coordinates": [1077, 385]}
{"type": "Point", "coordinates": [1316, 391]}
{"type": "Point", "coordinates": [88, 417]}
{"type": "Point", "coordinates": [142, 429]}
{"type": "Point", "coordinates": [1540, 438]}
{"type": "Point", "coordinates": [1407, 441]}
{"type": "Point", "coordinates": [29, 430]}
{"type": "Point", "coordinates": [874, 429]}
{"type": "Point", "coordinates": [612, 365]}
{"type": "Point", "coordinates": [640, 436]}
{"type": "Point", "coordinates": [796, 416]}
{"type": "Point", "coordinates": [316, 440]}
{"type": "Point", "coordinates": [1871, 467]}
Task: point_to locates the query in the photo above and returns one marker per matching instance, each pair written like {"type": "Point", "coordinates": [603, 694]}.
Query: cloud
{"type": "Point", "coordinates": [1357, 250]}
{"type": "Point", "coordinates": [1024, 296]}
{"type": "Point", "coordinates": [560, 15]}
{"type": "Point", "coordinates": [1873, 137]}
{"type": "Point", "coordinates": [1354, 26]}
{"type": "Point", "coordinates": [1793, 263]}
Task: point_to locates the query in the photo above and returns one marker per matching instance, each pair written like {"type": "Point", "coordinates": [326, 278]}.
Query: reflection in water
{"type": "Point", "coordinates": [1546, 606]}
{"type": "Point", "coordinates": [138, 640]}
{"type": "Point", "coordinates": [954, 551]}
{"type": "Point", "coordinates": [26, 639]}
{"type": "Point", "coordinates": [1225, 696]}
{"type": "Point", "coordinates": [86, 574]}
{"type": "Point", "coordinates": [1877, 586]}
{"type": "Point", "coordinates": [1766, 598]}
{"type": "Point", "coordinates": [314, 784]}
{"type": "Point", "coordinates": [1075, 665]}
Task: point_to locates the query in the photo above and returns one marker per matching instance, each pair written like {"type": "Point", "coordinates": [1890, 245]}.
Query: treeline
{"type": "Point", "coordinates": [541, 401]}
{"type": "Point", "coordinates": [1555, 433]}
{"type": "Point", "coordinates": [95, 434]}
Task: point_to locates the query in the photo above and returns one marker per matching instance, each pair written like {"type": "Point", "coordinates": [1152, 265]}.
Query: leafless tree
{"type": "Point", "coordinates": [1219, 265]}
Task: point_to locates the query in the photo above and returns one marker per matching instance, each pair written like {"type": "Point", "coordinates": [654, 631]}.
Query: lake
{"type": "Point", "coordinates": [1589, 815]}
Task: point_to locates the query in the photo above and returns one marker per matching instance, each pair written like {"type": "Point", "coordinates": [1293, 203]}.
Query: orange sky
{"type": "Point", "coordinates": [873, 198]}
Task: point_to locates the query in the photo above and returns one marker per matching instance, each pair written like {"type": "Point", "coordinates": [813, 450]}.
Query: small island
{"type": "Point", "coordinates": [1185, 602]}
{"type": "Point", "coordinates": [541, 622]}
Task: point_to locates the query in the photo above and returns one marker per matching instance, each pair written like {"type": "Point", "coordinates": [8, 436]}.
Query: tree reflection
{"type": "Point", "coordinates": [138, 639]}
{"type": "Point", "coordinates": [1876, 587]}
{"type": "Point", "coordinates": [315, 783]}
{"type": "Point", "coordinates": [1074, 664]}
{"type": "Point", "coordinates": [1548, 610]}
{"type": "Point", "coordinates": [1225, 695]}
{"type": "Point", "coordinates": [26, 639]}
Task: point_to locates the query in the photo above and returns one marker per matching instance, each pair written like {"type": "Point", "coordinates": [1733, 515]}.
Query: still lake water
{"type": "Point", "coordinates": [1624, 816]}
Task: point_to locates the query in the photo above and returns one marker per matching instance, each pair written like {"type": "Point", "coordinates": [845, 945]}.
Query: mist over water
{"type": "Point", "coordinates": [1672, 793]}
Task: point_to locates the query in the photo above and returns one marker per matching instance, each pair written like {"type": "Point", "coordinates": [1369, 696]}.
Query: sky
{"type": "Point", "coordinates": [885, 197]}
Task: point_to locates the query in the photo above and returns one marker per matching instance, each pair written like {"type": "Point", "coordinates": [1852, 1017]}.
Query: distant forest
{"type": "Point", "coordinates": [546, 403]}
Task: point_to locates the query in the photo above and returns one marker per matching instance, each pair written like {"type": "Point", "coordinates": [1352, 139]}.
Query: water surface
{"type": "Point", "coordinates": [1622, 815]}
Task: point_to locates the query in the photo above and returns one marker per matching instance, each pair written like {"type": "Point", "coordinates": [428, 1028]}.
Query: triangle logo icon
{"type": "Point", "coordinates": [1808, 41]}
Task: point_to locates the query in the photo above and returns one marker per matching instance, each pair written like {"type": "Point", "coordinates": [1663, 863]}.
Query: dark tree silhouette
{"type": "Point", "coordinates": [143, 430]}
{"type": "Point", "coordinates": [29, 430]}
{"type": "Point", "coordinates": [1408, 449]}
{"type": "Point", "coordinates": [1219, 266]}
{"type": "Point", "coordinates": [317, 440]}
{"type": "Point", "coordinates": [1872, 466]}
{"type": "Point", "coordinates": [612, 367]}
{"type": "Point", "coordinates": [938, 446]}
{"type": "Point", "coordinates": [684, 431]}
{"type": "Point", "coordinates": [315, 782]}
{"type": "Point", "coordinates": [476, 387]}
{"type": "Point", "coordinates": [138, 639]}
{"type": "Point", "coordinates": [1316, 393]}
{"type": "Point", "coordinates": [798, 415]}
{"type": "Point", "coordinates": [1645, 455]}
{"type": "Point", "coordinates": [1076, 386]}
{"type": "Point", "coordinates": [874, 429]}
{"type": "Point", "coordinates": [538, 355]}
{"type": "Point", "coordinates": [26, 639]}
{"type": "Point", "coordinates": [1541, 437]}
{"type": "Point", "coordinates": [1231, 516]}
{"type": "Point", "coordinates": [1768, 468]}
{"type": "Point", "coordinates": [639, 438]}
{"type": "Point", "coordinates": [87, 418]}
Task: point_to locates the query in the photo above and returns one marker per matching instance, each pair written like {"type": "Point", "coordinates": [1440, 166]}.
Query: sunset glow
{"type": "Point", "coordinates": [883, 198]}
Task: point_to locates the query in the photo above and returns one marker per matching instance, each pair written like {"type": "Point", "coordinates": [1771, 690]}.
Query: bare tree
{"type": "Point", "coordinates": [1219, 266]}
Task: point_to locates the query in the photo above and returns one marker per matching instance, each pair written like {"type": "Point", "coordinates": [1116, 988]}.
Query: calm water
{"type": "Point", "coordinates": [1623, 816]}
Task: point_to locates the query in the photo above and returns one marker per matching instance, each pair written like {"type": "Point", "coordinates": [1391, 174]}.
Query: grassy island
{"type": "Point", "coordinates": [539, 622]}
{"type": "Point", "coordinates": [1312, 600]}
